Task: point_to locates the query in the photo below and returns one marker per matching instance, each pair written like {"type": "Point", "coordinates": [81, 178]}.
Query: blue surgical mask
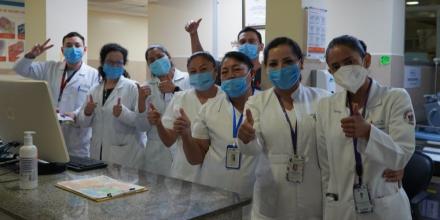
{"type": "Point", "coordinates": [160, 67]}
{"type": "Point", "coordinates": [285, 77]}
{"type": "Point", "coordinates": [251, 50]}
{"type": "Point", "coordinates": [73, 54]}
{"type": "Point", "coordinates": [235, 87]}
{"type": "Point", "coordinates": [201, 81]}
{"type": "Point", "coordinates": [112, 72]}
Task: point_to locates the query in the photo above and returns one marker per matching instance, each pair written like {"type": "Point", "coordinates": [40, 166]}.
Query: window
{"type": "Point", "coordinates": [421, 28]}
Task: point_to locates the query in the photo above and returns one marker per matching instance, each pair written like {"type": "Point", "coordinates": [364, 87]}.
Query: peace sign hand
{"type": "Point", "coordinates": [38, 49]}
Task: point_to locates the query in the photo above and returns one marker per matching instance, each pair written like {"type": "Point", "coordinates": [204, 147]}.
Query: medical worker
{"type": "Point", "coordinates": [249, 42]}
{"type": "Point", "coordinates": [69, 81]}
{"type": "Point", "coordinates": [211, 140]}
{"type": "Point", "coordinates": [166, 81]}
{"type": "Point", "coordinates": [280, 125]}
{"type": "Point", "coordinates": [361, 132]}
{"type": "Point", "coordinates": [202, 71]}
{"type": "Point", "coordinates": [111, 111]}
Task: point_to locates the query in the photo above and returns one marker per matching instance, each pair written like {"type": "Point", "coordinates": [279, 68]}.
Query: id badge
{"type": "Point", "coordinates": [233, 157]}
{"type": "Point", "coordinates": [295, 169]}
{"type": "Point", "coordinates": [362, 200]}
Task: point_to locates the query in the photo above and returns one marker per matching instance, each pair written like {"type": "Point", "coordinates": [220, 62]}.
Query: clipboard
{"type": "Point", "coordinates": [100, 188]}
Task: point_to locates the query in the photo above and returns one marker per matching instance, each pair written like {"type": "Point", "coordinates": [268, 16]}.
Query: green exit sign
{"type": "Point", "coordinates": [385, 60]}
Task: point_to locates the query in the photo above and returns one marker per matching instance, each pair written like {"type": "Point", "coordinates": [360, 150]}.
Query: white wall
{"type": "Point", "coordinates": [167, 19]}
{"type": "Point", "coordinates": [130, 32]}
{"type": "Point", "coordinates": [229, 24]}
{"type": "Point", "coordinates": [380, 23]}
{"type": "Point", "coordinates": [62, 17]}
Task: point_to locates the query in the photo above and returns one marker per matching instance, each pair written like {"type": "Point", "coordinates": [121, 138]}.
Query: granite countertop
{"type": "Point", "coordinates": [166, 198]}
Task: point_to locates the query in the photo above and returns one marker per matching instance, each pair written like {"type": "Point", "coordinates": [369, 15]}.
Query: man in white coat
{"type": "Point", "coordinates": [70, 81]}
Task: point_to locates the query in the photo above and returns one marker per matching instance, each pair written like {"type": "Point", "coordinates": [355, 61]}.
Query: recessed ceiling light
{"type": "Point", "coordinates": [412, 3]}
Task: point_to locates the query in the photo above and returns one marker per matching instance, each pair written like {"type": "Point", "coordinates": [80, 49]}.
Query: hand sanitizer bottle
{"type": "Point", "coordinates": [28, 163]}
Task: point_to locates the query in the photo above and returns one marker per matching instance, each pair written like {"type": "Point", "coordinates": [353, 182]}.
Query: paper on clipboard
{"type": "Point", "coordinates": [100, 188]}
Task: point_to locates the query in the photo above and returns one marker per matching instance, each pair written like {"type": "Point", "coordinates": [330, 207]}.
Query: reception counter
{"type": "Point", "coordinates": [166, 198]}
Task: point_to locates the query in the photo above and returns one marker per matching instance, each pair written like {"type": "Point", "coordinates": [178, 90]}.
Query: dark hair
{"type": "Point", "coordinates": [364, 45]}
{"type": "Point", "coordinates": [112, 47]}
{"type": "Point", "coordinates": [250, 29]}
{"type": "Point", "coordinates": [350, 42]}
{"type": "Point", "coordinates": [74, 34]}
{"type": "Point", "coordinates": [161, 48]}
{"type": "Point", "coordinates": [294, 47]}
{"type": "Point", "coordinates": [203, 54]}
{"type": "Point", "coordinates": [241, 57]}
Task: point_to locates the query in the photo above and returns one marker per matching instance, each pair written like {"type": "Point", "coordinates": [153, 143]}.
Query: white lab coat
{"type": "Point", "coordinates": [391, 144]}
{"type": "Point", "coordinates": [116, 139]}
{"type": "Point", "coordinates": [274, 197]}
{"type": "Point", "coordinates": [75, 94]}
{"type": "Point", "coordinates": [187, 100]}
{"type": "Point", "coordinates": [214, 122]}
{"type": "Point", "coordinates": [157, 157]}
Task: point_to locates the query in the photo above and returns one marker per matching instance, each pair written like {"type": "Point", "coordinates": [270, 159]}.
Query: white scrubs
{"type": "Point", "coordinates": [215, 123]}
{"type": "Point", "coordinates": [191, 105]}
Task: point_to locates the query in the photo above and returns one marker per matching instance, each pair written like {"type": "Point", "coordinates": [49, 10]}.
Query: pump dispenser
{"type": "Point", "coordinates": [28, 163]}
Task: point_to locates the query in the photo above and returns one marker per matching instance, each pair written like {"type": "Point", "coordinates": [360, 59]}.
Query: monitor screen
{"type": "Point", "coordinates": [26, 105]}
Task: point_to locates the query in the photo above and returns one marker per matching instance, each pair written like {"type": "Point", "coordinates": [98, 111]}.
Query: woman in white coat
{"type": "Point", "coordinates": [202, 69]}
{"type": "Point", "coordinates": [211, 140]}
{"type": "Point", "coordinates": [280, 127]}
{"type": "Point", "coordinates": [361, 132]}
{"type": "Point", "coordinates": [166, 80]}
{"type": "Point", "coordinates": [69, 81]}
{"type": "Point", "coordinates": [111, 112]}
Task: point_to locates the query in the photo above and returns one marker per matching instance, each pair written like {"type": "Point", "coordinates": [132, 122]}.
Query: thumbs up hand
{"type": "Point", "coordinates": [90, 107]}
{"type": "Point", "coordinates": [153, 116]}
{"type": "Point", "coordinates": [117, 109]}
{"type": "Point", "coordinates": [182, 124]}
{"type": "Point", "coordinates": [246, 132]}
{"type": "Point", "coordinates": [355, 126]}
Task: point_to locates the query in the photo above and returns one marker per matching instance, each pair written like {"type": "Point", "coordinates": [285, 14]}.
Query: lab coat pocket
{"type": "Point", "coordinates": [265, 201]}
{"type": "Point", "coordinates": [395, 206]}
{"type": "Point", "coordinates": [81, 98]}
{"type": "Point", "coordinates": [119, 154]}
{"type": "Point", "coordinates": [335, 210]}
{"type": "Point", "coordinates": [125, 155]}
{"type": "Point", "coordinates": [122, 133]}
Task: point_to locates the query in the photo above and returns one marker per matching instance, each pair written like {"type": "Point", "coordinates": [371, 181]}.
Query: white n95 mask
{"type": "Point", "coordinates": [351, 77]}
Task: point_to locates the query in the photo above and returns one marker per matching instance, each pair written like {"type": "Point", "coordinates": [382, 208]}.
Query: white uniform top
{"type": "Point", "coordinates": [391, 144]}
{"type": "Point", "coordinates": [191, 105]}
{"type": "Point", "coordinates": [214, 122]}
{"type": "Point", "coordinates": [274, 197]}
{"type": "Point", "coordinates": [157, 157]}
{"type": "Point", "coordinates": [115, 139]}
{"type": "Point", "coordinates": [75, 94]}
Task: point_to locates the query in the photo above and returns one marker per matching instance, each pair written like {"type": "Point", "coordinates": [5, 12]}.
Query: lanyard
{"type": "Point", "coordinates": [64, 82]}
{"type": "Point", "coordinates": [235, 125]}
{"type": "Point", "coordinates": [357, 155]}
{"type": "Point", "coordinates": [293, 133]}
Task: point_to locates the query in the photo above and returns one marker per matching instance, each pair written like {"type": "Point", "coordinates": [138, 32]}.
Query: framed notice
{"type": "Point", "coordinates": [254, 13]}
{"type": "Point", "coordinates": [316, 21]}
{"type": "Point", "coordinates": [12, 32]}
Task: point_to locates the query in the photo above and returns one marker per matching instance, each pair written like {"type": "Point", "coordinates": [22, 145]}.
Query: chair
{"type": "Point", "coordinates": [416, 179]}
